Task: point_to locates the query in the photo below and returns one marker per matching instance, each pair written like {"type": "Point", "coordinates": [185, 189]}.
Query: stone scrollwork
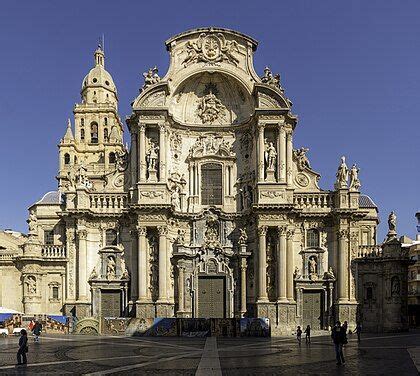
{"type": "Point", "coordinates": [262, 230]}
{"type": "Point", "coordinates": [211, 145]}
{"type": "Point", "coordinates": [271, 194]}
{"type": "Point", "coordinates": [210, 109]}
{"type": "Point", "coordinates": [302, 180]}
{"type": "Point", "coordinates": [152, 194]}
{"type": "Point", "coordinates": [211, 49]}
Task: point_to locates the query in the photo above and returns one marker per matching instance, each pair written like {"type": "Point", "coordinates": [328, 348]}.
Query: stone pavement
{"type": "Point", "coordinates": [386, 354]}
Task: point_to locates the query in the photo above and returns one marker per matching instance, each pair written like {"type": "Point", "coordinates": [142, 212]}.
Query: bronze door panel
{"type": "Point", "coordinates": [111, 303]}
{"type": "Point", "coordinates": [211, 297]}
{"type": "Point", "coordinates": [312, 310]}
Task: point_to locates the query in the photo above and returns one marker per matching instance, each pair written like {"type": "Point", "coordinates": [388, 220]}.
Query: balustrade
{"type": "Point", "coordinates": [53, 251]}
{"type": "Point", "coordinates": [313, 200]}
{"type": "Point", "coordinates": [370, 251]}
{"type": "Point", "coordinates": [108, 202]}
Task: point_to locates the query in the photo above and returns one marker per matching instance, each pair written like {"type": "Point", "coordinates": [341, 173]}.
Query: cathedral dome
{"type": "Point", "coordinates": [98, 76]}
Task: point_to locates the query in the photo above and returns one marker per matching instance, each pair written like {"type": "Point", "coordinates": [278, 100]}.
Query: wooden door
{"type": "Point", "coordinates": [312, 310]}
{"type": "Point", "coordinates": [211, 297]}
{"type": "Point", "coordinates": [111, 303]}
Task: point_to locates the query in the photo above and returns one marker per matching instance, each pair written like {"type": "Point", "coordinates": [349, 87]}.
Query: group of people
{"type": "Point", "coordinates": [36, 328]}
{"type": "Point", "coordinates": [338, 335]}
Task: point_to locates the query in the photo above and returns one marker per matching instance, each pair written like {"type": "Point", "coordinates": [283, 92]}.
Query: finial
{"type": "Point", "coordinates": [68, 123]}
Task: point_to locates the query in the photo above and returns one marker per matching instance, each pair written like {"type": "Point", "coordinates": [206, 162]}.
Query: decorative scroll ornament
{"type": "Point", "coordinates": [211, 49]}
{"type": "Point", "coordinates": [210, 109]}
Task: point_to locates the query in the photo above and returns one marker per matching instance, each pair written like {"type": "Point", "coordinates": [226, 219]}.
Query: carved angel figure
{"type": "Point", "coordinates": [354, 178]}
{"type": "Point", "coordinates": [110, 267]}
{"type": "Point", "coordinates": [194, 50]}
{"type": "Point", "coordinates": [342, 174]}
{"type": "Point", "coordinates": [227, 49]}
{"type": "Point", "coordinates": [301, 159]}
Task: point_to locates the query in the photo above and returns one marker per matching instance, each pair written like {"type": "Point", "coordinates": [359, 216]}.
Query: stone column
{"type": "Point", "coordinates": [181, 283]}
{"type": "Point", "coordinates": [289, 264]}
{"type": "Point", "coordinates": [162, 153]}
{"type": "Point", "coordinates": [282, 155]}
{"type": "Point", "coordinates": [243, 287]}
{"type": "Point", "coordinates": [260, 153]}
{"type": "Point", "coordinates": [262, 265]}
{"type": "Point", "coordinates": [142, 152]}
{"type": "Point", "coordinates": [82, 270]}
{"type": "Point", "coordinates": [134, 293]}
{"type": "Point", "coordinates": [289, 156]}
{"type": "Point", "coordinates": [163, 231]}
{"type": "Point", "coordinates": [142, 263]}
{"type": "Point", "coordinates": [342, 274]}
{"type": "Point", "coordinates": [281, 265]}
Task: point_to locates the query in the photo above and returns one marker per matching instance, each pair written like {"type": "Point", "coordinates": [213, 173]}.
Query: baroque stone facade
{"type": "Point", "coordinates": [210, 213]}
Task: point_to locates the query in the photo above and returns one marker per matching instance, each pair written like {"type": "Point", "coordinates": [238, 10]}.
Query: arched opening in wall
{"type": "Point", "coordinates": [82, 134]}
{"type": "Point", "coordinates": [112, 158]}
{"type": "Point", "coordinates": [211, 184]}
{"type": "Point", "coordinates": [67, 158]}
{"type": "Point", "coordinates": [111, 237]}
{"type": "Point", "coordinates": [106, 120]}
{"type": "Point", "coordinates": [312, 238]}
{"type": "Point", "coordinates": [106, 134]}
{"type": "Point", "coordinates": [94, 133]}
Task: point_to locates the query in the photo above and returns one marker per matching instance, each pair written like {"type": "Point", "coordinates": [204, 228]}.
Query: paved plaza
{"type": "Point", "coordinates": [387, 354]}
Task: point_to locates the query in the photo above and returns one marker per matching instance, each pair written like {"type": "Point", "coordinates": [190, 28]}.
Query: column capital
{"type": "Point", "coordinates": [162, 127]}
{"type": "Point", "coordinates": [343, 234]}
{"type": "Point", "coordinates": [142, 127]}
{"type": "Point", "coordinates": [289, 233]}
{"type": "Point", "coordinates": [82, 234]}
{"type": "Point", "coordinates": [282, 230]}
{"type": "Point", "coordinates": [162, 230]}
{"type": "Point", "coordinates": [141, 230]}
{"type": "Point", "coordinates": [262, 230]}
{"type": "Point", "coordinates": [260, 127]}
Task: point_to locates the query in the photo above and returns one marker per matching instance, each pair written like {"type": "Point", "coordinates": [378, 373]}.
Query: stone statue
{"type": "Point", "coordinates": [392, 222]}
{"type": "Point", "coordinates": [31, 283]}
{"type": "Point", "coordinates": [122, 160]}
{"type": "Point", "coordinates": [32, 223]}
{"type": "Point", "coordinates": [110, 267]}
{"type": "Point", "coordinates": [93, 274]}
{"type": "Point", "coordinates": [123, 267]}
{"type": "Point", "coordinates": [395, 286]}
{"type": "Point", "coordinates": [243, 237]}
{"type": "Point", "coordinates": [151, 77]}
{"type": "Point", "coordinates": [330, 273]}
{"type": "Point", "coordinates": [180, 239]}
{"type": "Point", "coordinates": [342, 175]}
{"type": "Point", "coordinates": [270, 156]}
{"type": "Point", "coordinates": [296, 273]}
{"type": "Point", "coordinates": [152, 156]}
{"type": "Point", "coordinates": [354, 178]}
{"type": "Point", "coordinates": [175, 199]}
{"type": "Point", "coordinates": [301, 159]}
{"type": "Point", "coordinates": [312, 268]}
{"type": "Point", "coordinates": [269, 79]}
{"type": "Point", "coordinates": [210, 109]}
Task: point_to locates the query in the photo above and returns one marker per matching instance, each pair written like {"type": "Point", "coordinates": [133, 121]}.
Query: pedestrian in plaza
{"type": "Point", "coordinates": [299, 335]}
{"type": "Point", "coordinates": [338, 335]}
{"type": "Point", "coordinates": [308, 334]}
{"type": "Point", "coordinates": [23, 348]}
{"type": "Point", "coordinates": [358, 330]}
{"type": "Point", "coordinates": [36, 331]}
{"type": "Point", "coordinates": [345, 326]}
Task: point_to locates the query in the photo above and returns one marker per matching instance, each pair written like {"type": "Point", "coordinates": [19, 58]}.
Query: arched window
{"type": "Point", "coordinates": [111, 237]}
{"type": "Point", "coordinates": [112, 158]}
{"type": "Point", "coordinates": [211, 184]}
{"type": "Point", "coordinates": [312, 238]}
{"type": "Point", "coordinates": [67, 158]}
{"type": "Point", "coordinates": [94, 133]}
{"type": "Point", "coordinates": [82, 134]}
{"type": "Point", "coordinates": [106, 134]}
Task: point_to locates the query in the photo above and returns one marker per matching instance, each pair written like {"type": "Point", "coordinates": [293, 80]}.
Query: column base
{"type": "Point", "coordinates": [145, 310]}
{"type": "Point", "coordinates": [184, 314]}
{"type": "Point", "coordinates": [164, 309]}
{"type": "Point", "coordinates": [285, 320]}
{"type": "Point", "coordinates": [79, 309]}
{"type": "Point", "coordinates": [346, 311]}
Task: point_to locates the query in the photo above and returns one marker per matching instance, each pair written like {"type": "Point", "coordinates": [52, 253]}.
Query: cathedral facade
{"type": "Point", "coordinates": [211, 212]}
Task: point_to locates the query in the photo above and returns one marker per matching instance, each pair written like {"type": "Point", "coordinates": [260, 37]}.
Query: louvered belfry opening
{"type": "Point", "coordinates": [211, 184]}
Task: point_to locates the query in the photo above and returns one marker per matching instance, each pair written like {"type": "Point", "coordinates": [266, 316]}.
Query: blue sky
{"type": "Point", "coordinates": [350, 68]}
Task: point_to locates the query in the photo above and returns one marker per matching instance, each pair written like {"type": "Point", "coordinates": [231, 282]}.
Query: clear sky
{"type": "Point", "coordinates": [351, 69]}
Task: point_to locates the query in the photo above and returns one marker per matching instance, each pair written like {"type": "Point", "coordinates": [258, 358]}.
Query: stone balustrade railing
{"type": "Point", "coordinates": [7, 256]}
{"type": "Point", "coordinates": [370, 251]}
{"type": "Point", "coordinates": [313, 200]}
{"type": "Point", "coordinates": [53, 251]}
{"type": "Point", "coordinates": [107, 202]}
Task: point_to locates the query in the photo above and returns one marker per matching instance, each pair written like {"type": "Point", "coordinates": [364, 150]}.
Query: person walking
{"type": "Point", "coordinates": [308, 334]}
{"type": "Point", "coordinates": [358, 330]}
{"type": "Point", "coordinates": [37, 329]}
{"type": "Point", "coordinates": [338, 336]}
{"type": "Point", "coordinates": [345, 326]}
{"type": "Point", "coordinates": [23, 348]}
{"type": "Point", "coordinates": [299, 335]}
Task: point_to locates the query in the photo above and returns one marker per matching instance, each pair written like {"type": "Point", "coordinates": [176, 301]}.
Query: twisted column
{"type": "Point", "coordinates": [243, 287]}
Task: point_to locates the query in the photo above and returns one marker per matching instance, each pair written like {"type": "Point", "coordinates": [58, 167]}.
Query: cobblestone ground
{"type": "Point", "coordinates": [388, 354]}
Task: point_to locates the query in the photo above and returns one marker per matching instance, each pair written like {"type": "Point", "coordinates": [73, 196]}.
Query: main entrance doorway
{"type": "Point", "coordinates": [111, 303]}
{"type": "Point", "coordinates": [312, 314]}
{"type": "Point", "coordinates": [211, 297]}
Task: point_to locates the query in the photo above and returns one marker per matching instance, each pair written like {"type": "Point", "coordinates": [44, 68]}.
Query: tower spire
{"type": "Point", "coordinates": [99, 54]}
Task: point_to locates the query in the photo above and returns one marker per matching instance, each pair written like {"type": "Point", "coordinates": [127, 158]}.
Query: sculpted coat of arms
{"type": "Point", "coordinates": [210, 109]}
{"type": "Point", "coordinates": [210, 48]}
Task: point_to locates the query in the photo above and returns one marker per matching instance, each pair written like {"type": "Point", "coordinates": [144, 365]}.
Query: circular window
{"type": "Point", "coordinates": [95, 80]}
{"type": "Point", "coordinates": [107, 83]}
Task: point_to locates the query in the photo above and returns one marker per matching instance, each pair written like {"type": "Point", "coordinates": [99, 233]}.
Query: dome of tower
{"type": "Point", "coordinates": [98, 76]}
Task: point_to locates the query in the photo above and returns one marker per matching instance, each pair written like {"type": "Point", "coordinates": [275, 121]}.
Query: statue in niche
{"type": "Point", "coordinates": [151, 77]}
{"type": "Point", "coordinates": [395, 286]}
{"type": "Point", "coordinates": [212, 232]}
{"type": "Point", "coordinates": [392, 222]}
{"type": "Point", "coordinates": [152, 156]}
{"type": "Point", "coordinates": [243, 236]}
{"type": "Point", "coordinates": [342, 174]}
{"type": "Point", "coordinates": [270, 156]}
{"type": "Point", "coordinates": [32, 222]}
{"type": "Point", "coordinates": [301, 158]}
{"type": "Point", "coordinates": [31, 285]}
{"type": "Point", "coordinates": [312, 265]}
{"type": "Point", "coordinates": [175, 199]}
{"type": "Point", "coordinates": [110, 267]}
{"type": "Point", "coordinates": [354, 178]}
